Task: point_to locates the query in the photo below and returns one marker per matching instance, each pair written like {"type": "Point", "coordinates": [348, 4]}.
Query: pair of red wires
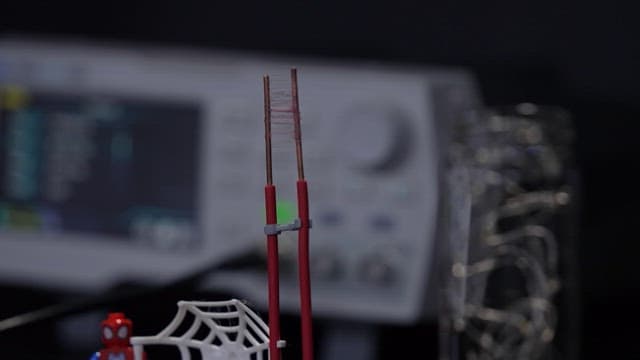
{"type": "Point", "coordinates": [302, 225]}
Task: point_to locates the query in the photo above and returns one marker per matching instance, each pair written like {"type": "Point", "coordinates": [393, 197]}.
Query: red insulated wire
{"type": "Point", "coordinates": [273, 274]}
{"type": "Point", "coordinates": [303, 271]}
{"type": "Point", "coordinates": [273, 271]}
{"type": "Point", "coordinates": [303, 232]}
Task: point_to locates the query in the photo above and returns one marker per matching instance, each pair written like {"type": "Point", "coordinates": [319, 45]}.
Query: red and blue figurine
{"type": "Point", "coordinates": [116, 333]}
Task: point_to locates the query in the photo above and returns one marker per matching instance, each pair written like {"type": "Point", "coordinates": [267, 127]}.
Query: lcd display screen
{"type": "Point", "coordinates": [121, 167]}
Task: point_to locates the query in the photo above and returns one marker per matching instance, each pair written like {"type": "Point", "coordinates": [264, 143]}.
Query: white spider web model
{"type": "Point", "coordinates": [218, 330]}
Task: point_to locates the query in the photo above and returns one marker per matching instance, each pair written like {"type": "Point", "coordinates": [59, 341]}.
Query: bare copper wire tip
{"type": "Point", "coordinates": [296, 122]}
{"type": "Point", "coordinates": [267, 128]}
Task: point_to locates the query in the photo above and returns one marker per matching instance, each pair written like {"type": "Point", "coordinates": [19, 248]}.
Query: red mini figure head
{"type": "Point", "coordinates": [116, 330]}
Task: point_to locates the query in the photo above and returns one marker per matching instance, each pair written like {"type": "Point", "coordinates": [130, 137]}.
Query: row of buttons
{"type": "Point", "coordinates": [402, 193]}
{"type": "Point", "coordinates": [379, 222]}
{"type": "Point", "coordinates": [371, 269]}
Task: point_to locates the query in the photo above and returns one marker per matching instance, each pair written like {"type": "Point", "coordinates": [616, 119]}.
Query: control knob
{"type": "Point", "coordinates": [375, 137]}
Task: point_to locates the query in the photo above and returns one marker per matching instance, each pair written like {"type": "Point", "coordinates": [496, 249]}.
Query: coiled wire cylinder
{"type": "Point", "coordinates": [509, 265]}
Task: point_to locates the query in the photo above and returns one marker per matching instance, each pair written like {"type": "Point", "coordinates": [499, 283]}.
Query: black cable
{"type": "Point", "coordinates": [58, 311]}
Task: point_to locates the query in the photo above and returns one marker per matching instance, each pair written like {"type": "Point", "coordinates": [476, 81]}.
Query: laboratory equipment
{"type": "Point", "coordinates": [144, 164]}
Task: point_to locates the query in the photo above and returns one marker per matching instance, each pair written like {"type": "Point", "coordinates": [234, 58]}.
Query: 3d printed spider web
{"type": "Point", "coordinates": [219, 330]}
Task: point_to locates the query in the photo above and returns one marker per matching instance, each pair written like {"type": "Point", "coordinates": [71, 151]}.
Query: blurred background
{"type": "Point", "coordinates": [581, 58]}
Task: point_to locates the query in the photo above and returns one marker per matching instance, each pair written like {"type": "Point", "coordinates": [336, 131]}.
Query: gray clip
{"type": "Point", "coordinates": [276, 229]}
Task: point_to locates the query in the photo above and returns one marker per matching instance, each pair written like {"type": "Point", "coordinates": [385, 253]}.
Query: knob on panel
{"type": "Point", "coordinates": [326, 264]}
{"type": "Point", "coordinates": [377, 269]}
{"type": "Point", "coordinates": [375, 137]}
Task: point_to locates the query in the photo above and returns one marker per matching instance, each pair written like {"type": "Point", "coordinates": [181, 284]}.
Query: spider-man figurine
{"type": "Point", "coordinates": [116, 332]}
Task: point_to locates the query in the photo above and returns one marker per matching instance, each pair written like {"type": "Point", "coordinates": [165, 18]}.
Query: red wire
{"type": "Point", "coordinates": [303, 271]}
{"type": "Point", "coordinates": [273, 274]}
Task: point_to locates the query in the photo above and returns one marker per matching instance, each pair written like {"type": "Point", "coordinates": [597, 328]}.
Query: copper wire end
{"type": "Point", "coordinates": [267, 129]}
{"type": "Point", "coordinates": [296, 122]}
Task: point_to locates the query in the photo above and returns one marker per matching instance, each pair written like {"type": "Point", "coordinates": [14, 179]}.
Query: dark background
{"type": "Point", "coordinates": [582, 56]}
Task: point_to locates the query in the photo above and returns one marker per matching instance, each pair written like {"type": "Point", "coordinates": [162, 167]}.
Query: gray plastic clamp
{"type": "Point", "coordinates": [276, 229]}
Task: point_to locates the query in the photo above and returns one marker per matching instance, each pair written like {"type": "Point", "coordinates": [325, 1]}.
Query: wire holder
{"type": "Point", "coordinates": [276, 229]}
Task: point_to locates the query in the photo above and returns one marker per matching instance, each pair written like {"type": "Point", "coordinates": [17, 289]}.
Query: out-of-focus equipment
{"type": "Point", "coordinates": [145, 164]}
{"type": "Point", "coordinates": [510, 184]}
{"type": "Point", "coordinates": [133, 164]}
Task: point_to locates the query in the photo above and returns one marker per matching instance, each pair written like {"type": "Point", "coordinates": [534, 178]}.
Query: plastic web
{"type": "Point", "coordinates": [216, 329]}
